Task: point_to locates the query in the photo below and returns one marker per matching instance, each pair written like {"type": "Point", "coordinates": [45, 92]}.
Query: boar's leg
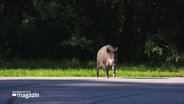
{"type": "Point", "coordinates": [97, 70]}
{"type": "Point", "coordinates": [114, 71]}
{"type": "Point", "coordinates": [107, 72]}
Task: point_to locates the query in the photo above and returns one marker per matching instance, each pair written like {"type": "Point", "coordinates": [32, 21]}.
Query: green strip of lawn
{"type": "Point", "coordinates": [75, 68]}
{"type": "Point", "coordinates": [89, 72]}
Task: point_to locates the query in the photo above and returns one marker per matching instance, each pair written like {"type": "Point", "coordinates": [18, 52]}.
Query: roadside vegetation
{"type": "Point", "coordinates": [49, 37]}
{"type": "Point", "coordinates": [74, 67]}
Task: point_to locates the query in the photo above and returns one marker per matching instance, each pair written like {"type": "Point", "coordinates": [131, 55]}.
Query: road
{"type": "Point", "coordinates": [91, 90]}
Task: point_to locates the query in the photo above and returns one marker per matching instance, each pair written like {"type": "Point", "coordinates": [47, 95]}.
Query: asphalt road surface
{"type": "Point", "coordinates": [91, 90]}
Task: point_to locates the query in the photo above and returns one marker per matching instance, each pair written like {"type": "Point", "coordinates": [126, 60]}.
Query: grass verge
{"type": "Point", "coordinates": [88, 73]}
{"type": "Point", "coordinates": [67, 68]}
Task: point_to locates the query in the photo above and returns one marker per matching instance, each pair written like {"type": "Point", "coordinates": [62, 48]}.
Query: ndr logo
{"type": "Point", "coordinates": [25, 94]}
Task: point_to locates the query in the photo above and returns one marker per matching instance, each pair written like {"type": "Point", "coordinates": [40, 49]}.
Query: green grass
{"type": "Point", "coordinates": [88, 73]}
{"type": "Point", "coordinates": [46, 72]}
{"type": "Point", "coordinates": [42, 68]}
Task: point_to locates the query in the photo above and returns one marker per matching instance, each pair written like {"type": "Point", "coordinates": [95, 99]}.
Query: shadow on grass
{"type": "Point", "coordinates": [74, 63]}
{"type": "Point", "coordinates": [45, 64]}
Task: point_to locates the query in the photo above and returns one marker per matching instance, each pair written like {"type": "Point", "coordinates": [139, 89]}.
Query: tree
{"type": "Point", "coordinates": [144, 30]}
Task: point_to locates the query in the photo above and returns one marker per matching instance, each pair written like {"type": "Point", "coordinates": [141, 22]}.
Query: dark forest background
{"type": "Point", "coordinates": [145, 31]}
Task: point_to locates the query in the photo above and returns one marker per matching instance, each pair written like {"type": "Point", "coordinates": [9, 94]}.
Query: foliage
{"type": "Point", "coordinates": [163, 49]}
{"type": "Point", "coordinates": [144, 30]}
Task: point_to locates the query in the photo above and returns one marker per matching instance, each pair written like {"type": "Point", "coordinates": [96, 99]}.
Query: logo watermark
{"type": "Point", "coordinates": [25, 94]}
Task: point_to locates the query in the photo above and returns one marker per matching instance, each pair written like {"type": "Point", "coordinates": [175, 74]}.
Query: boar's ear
{"type": "Point", "coordinates": [116, 49]}
{"type": "Point", "coordinates": [108, 50]}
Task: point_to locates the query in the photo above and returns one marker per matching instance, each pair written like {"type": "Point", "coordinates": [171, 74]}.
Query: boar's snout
{"type": "Point", "coordinates": [111, 62]}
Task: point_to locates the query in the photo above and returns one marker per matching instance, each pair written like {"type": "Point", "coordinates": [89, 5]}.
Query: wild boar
{"type": "Point", "coordinates": [107, 59]}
